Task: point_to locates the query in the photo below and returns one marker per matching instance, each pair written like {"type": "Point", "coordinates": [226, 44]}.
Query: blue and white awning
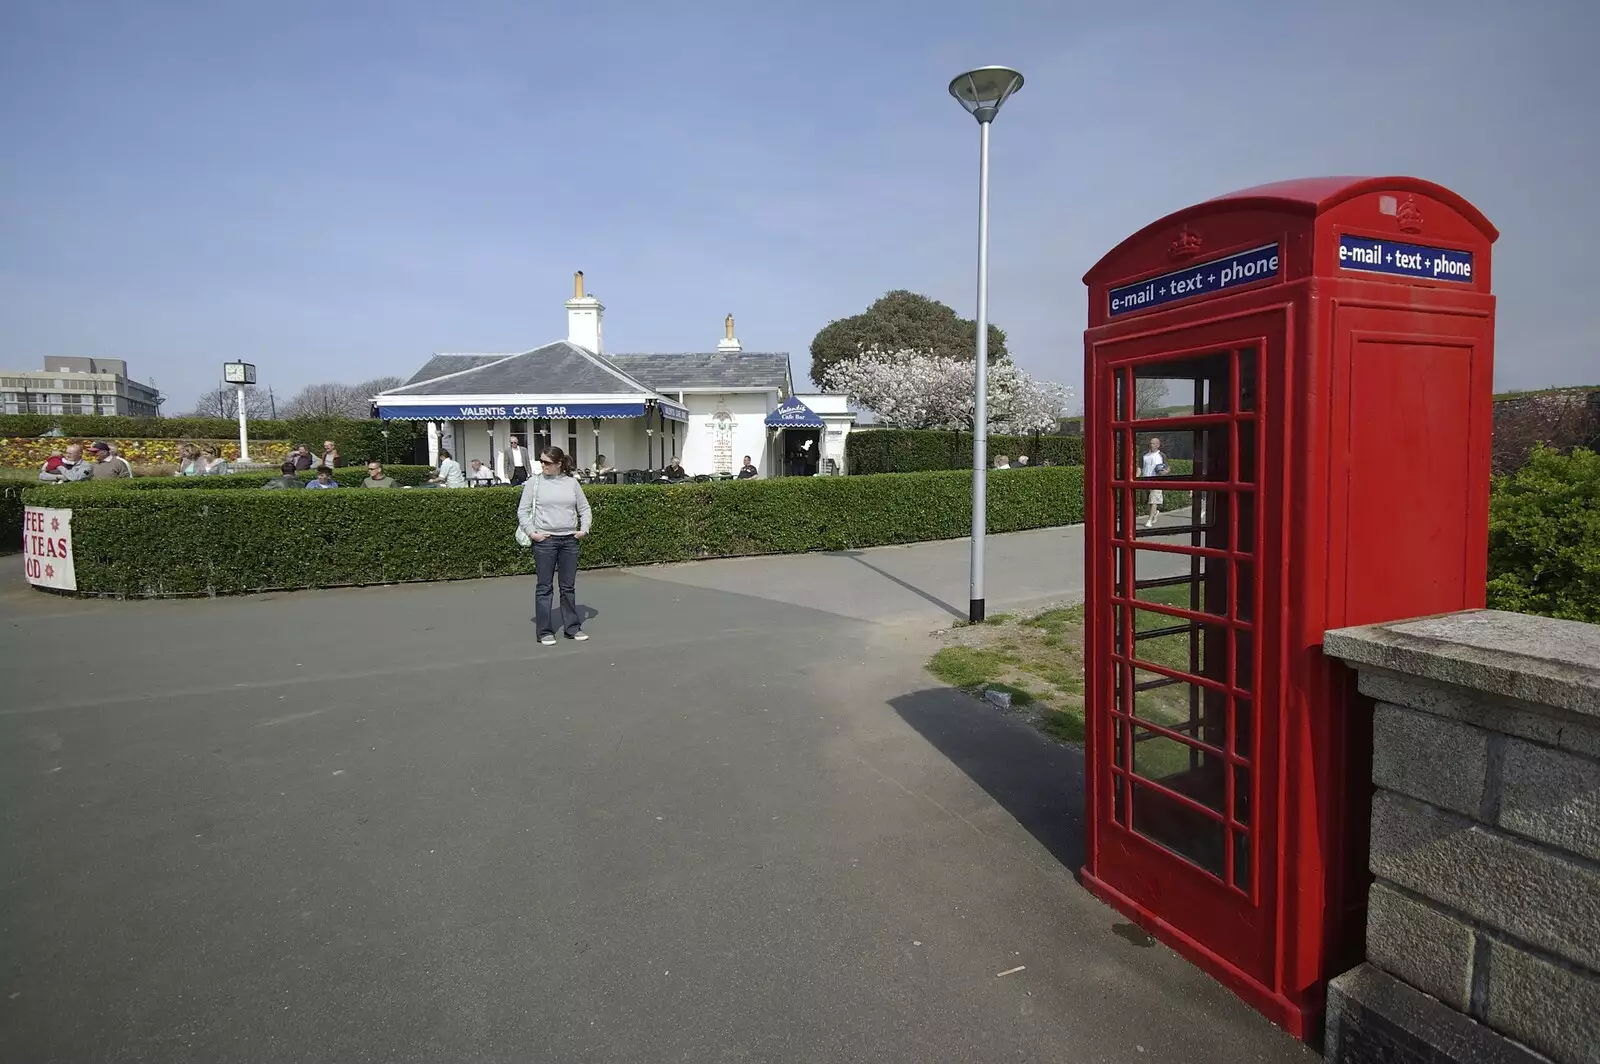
{"type": "Point", "coordinates": [413, 410]}
{"type": "Point", "coordinates": [793, 414]}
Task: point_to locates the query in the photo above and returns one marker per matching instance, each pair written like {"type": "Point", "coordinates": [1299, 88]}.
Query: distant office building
{"type": "Point", "coordinates": [69, 385]}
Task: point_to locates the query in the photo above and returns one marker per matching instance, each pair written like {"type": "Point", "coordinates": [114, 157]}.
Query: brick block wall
{"type": "Point", "coordinates": [1485, 846]}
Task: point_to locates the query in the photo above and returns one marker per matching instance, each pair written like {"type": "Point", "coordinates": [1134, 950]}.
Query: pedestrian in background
{"type": "Point", "coordinates": [554, 515]}
{"type": "Point", "coordinates": [105, 468]}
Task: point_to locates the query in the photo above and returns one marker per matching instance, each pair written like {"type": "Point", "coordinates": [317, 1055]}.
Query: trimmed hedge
{"type": "Point", "coordinates": [1544, 537]}
{"type": "Point", "coordinates": [10, 517]}
{"type": "Point", "coordinates": [922, 450]}
{"type": "Point", "coordinates": [208, 541]}
{"type": "Point", "coordinates": [359, 440]}
{"type": "Point", "coordinates": [347, 476]}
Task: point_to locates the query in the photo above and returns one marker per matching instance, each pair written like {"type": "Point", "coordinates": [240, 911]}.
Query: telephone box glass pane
{"type": "Point", "coordinates": [1179, 387]}
{"type": "Point", "coordinates": [1179, 828]}
{"type": "Point", "coordinates": [1243, 728]}
{"type": "Point", "coordinates": [1245, 597]}
{"type": "Point", "coordinates": [1181, 644]}
{"type": "Point", "coordinates": [1247, 378]}
{"type": "Point", "coordinates": [1205, 449]}
{"type": "Point", "coordinates": [1241, 860]}
{"type": "Point", "coordinates": [1241, 794]}
{"type": "Point", "coordinates": [1244, 659]}
{"type": "Point", "coordinates": [1247, 452]}
{"type": "Point", "coordinates": [1188, 581]}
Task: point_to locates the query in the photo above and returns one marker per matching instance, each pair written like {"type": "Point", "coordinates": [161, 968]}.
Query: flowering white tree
{"type": "Point", "coordinates": [918, 391]}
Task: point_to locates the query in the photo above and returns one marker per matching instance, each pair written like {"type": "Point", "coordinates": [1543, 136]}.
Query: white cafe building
{"type": "Point", "coordinates": [708, 408]}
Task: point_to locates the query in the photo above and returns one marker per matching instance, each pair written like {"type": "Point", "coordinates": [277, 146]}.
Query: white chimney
{"type": "Point", "coordinates": [585, 315]}
{"type": "Point", "coordinates": [729, 342]}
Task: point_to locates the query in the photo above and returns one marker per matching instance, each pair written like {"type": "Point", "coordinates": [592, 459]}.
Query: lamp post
{"type": "Point", "coordinates": [981, 92]}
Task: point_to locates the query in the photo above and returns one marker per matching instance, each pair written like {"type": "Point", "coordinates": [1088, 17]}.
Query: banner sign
{"type": "Point", "coordinates": [532, 411]}
{"type": "Point", "coordinates": [1205, 279]}
{"type": "Point", "coordinates": [793, 414]}
{"type": "Point", "coordinates": [47, 547]}
{"type": "Point", "coordinates": [1368, 255]}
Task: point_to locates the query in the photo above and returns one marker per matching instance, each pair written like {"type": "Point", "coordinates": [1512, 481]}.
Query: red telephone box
{"type": "Point", "coordinates": [1316, 358]}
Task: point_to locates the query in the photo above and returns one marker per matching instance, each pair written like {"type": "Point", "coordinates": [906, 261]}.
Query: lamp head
{"type": "Point", "coordinates": [983, 90]}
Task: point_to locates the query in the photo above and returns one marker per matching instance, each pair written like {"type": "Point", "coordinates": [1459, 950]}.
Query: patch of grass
{"type": "Point", "coordinates": [1037, 660]}
{"type": "Point", "coordinates": [1065, 725]}
{"type": "Point", "coordinates": [1057, 622]}
{"type": "Point", "coordinates": [966, 667]}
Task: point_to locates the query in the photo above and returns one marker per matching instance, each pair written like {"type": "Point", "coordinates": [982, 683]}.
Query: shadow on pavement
{"type": "Point", "coordinates": [856, 556]}
{"type": "Point", "coordinates": [1039, 782]}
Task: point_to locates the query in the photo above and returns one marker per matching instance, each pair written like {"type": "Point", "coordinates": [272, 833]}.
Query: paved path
{"type": "Point", "coordinates": [382, 825]}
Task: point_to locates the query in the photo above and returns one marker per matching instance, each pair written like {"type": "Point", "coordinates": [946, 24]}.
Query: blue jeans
{"type": "Point", "coordinates": [556, 557]}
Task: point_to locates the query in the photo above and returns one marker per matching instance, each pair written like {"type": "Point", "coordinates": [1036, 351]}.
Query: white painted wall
{"type": "Point", "coordinates": [741, 432]}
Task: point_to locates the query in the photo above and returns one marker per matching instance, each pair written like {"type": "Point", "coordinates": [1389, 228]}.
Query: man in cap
{"type": "Point", "coordinates": [105, 466]}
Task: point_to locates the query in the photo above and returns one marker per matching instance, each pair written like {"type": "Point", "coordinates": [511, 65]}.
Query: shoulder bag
{"type": "Point", "coordinates": [523, 539]}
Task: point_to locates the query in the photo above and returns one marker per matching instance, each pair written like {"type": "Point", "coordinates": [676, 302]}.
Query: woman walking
{"type": "Point", "coordinates": [554, 514]}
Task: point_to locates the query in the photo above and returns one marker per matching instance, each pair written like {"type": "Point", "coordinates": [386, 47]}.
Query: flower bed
{"type": "Point", "coordinates": [24, 452]}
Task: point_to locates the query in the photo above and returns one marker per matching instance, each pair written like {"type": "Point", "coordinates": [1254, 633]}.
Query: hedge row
{"type": "Point", "coordinates": [204, 541]}
{"type": "Point", "coordinates": [920, 450]}
{"type": "Point", "coordinates": [348, 476]}
{"type": "Point", "coordinates": [359, 440]}
{"type": "Point", "coordinates": [10, 517]}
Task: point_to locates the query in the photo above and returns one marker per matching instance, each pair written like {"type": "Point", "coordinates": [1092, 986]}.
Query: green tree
{"type": "Point", "coordinates": [902, 321]}
{"type": "Point", "coordinates": [1544, 536]}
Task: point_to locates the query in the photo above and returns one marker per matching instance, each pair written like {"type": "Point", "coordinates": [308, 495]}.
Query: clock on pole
{"type": "Point", "coordinates": [240, 374]}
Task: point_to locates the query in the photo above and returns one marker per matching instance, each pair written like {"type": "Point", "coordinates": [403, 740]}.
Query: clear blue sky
{"type": "Point", "coordinates": [335, 189]}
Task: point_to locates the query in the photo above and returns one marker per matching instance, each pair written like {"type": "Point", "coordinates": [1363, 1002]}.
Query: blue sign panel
{"type": "Point", "coordinates": [536, 411]}
{"type": "Point", "coordinates": [1369, 255]}
{"type": "Point", "coordinates": [793, 414]}
{"type": "Point", "coordinates": [1206, 279]}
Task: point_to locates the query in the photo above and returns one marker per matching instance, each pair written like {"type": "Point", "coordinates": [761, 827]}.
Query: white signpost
{"type": "Point", "coordinates": [241, 374]}
{"type": "Point", "coordinates": [47, 547]}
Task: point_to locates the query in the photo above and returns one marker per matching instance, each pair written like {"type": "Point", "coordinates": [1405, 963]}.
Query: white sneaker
{"type": "Point", "coordinates": [548, 640]}
{"type": "Point", "coordinates": [581, 636]}
{"type": "Point", "coordinates": [1150, 523]}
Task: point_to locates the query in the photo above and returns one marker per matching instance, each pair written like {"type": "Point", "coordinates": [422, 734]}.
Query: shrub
{"type": "Point", "coordinates": [348, 477]}
{"type": "Point", "coordinates": [921, 450]}
{"type": "Point", "coordinates": [1544, 537]}
{"type": "Point", "coordinates": [10, 518]}
{"type": "Point", "coordinates": [359, 440]}
{"type": "Point", "coordinates": [208, 540]}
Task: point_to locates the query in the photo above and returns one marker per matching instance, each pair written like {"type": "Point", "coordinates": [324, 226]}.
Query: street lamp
{"type": "Point", "coordinates": [981, 92]}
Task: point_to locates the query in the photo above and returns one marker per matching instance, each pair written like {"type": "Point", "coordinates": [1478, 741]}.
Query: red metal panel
{"type": "Point", "coordinates": [1369, 431]}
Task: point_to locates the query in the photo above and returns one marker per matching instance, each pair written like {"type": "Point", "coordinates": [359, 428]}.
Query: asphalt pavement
{"type": "Point", "coordinates": [382, 824]}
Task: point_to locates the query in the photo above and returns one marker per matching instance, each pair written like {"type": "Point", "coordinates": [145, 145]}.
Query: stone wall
{"type": "Point", "coordinates": [1483, 931]}
{"type": "Point", "coordinates": [1563, 419]}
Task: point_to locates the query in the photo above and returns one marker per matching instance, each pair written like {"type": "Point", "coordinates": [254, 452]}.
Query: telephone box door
{"type": "Point", "coordinates": [1185, 537]}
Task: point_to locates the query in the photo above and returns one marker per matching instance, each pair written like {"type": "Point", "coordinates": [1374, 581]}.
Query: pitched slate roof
{"type": "Point", "coordinates": [554, 369]}
{"type": "Point", "coordinates": [439, 365]}
{"type": "Point", "coordinates": [708, 369]}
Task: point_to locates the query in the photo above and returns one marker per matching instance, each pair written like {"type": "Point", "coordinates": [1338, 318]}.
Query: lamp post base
{"type": "Point", "coordinates": [975, 611]}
